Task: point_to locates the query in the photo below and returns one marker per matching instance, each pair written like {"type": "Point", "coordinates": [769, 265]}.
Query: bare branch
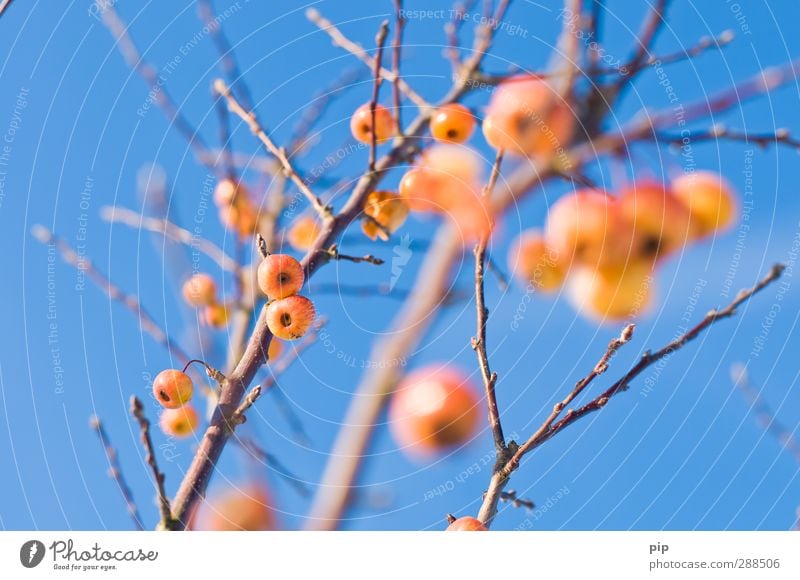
{"type": "Point", "coordinates": [158, 93]}
{"type": "Point", "coordinates": [479, 341]}
{"type": "Point", "coordinates": [228, 64]}
{"type": "Point", "coordinates": [250, 119]}
{"type": "Point", "coordinates": [358, 51]}
{"type": "Point", "coordinates": [764, 414]}
{"type": "Point", "coordinates": [380, 39]}
{"type": "Point", "coordinates": [133, 219]}
{"type": "Point", "coordinates": [83, 264]}
{"type": "Point", "coordinates": [646, 360]}
{"type": "Point", "coordinates": [115, 471]}
{"type": "Point", "coordinates": [334, 254]}
{"type": "Point", "coordinates": [137, 410]}
{"type": "Point", "coordinates": [3, 5]}
{"type": "Point", "coordinates": [397, 43]}
{"type": "Point", "coordinates": [251, 447]}
{"type": "Point", "coordinates": [721, 132]}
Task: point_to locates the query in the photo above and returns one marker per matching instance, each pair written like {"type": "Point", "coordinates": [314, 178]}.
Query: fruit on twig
{"type": "Point", "coordinates": [180, 422]}
{"type": "Point", "coordinates": [280, 275]}
{"type": "Point", "coordinates": [585, 228]}
{"type": "Point", "coordinates": [172, 388]}
{"type": "Point", "coordinates": [534, 262]}
{"type": "Point", "coordinates": [361, 124]}
{"type": "Point", "coordinates": [388, 212]}
{"type": "Point", "coordinates": [659, 224]}
{"type": "Point", "coordinates": [526, 116]}
{"type": "Point", "coordinates": [303, 232]}
{"type": "Point", "coordinates": [217, 315]}
{"type": "Point", "coordinates": [467, 524]}
{"type": "Point", "coordinates": [453, 123]}
{"type": "Point", "coordinates": [434, 409]}
{"type": "Point", "coordinates": [710, 200]}
{"type": "Point", "coordinates": [613, 294]}
{"type": "Point", "coordinates": [245, 508]}
{"type": "Point", "coordinates": [200, 290]}
{"type": "Point", "coordinates": [290, 318]}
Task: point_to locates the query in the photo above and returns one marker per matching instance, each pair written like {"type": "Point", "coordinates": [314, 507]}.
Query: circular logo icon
{"type": "Point", "coordinates": [31, 553]}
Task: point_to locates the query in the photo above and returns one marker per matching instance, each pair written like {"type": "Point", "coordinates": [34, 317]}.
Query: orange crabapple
{"type": "Point", "coordinates": [275, 349]}
{"type": "Point", "coordinates": [534, 262]}
{"type": "Point", "coordinates": [242, 218]}
{"type": "Point", "coordinates": [200, 290]}
{"type": "Point", "coordinates": [710, 200]}
{"type": "Point", "coordinates": [526, 116]}
{"type": "Point", "coordinates": [453, 123]}
{"type": "Point", "coordinates": [228, 192]}
{"type": "Point", "coordinates": [172, 388]}
{"type": "Point", "coordinates": [613, 294]}
{"type": "Point", "coordinates": [180, 422]}
{"type": "Point", "coordinates": [387, 209]}
{"type": "Point", "coordinates": [246, 508]}
{"type": "Point", "coordinates": [418, 189]}
{"type": "Point", "coordinates": [585, 228]}
{"type": "Point", "coordinates": [659, 223]}
{"type": "Point", "coordinates": [290, 318]}
{"type": "Point", "coordinates": [361, 124]}
{"type": "Point", "coordinates": [303, 232]}
{"type": "Point", "coordinates": [280, 275]}
{"type": "Point", "coordinates": [467, 524]}
{"type": "Point", "coordinates": [471, 216]}
{"type": "Point", "coordinates": [458, 163]}
{"type": "Point", "coordinates": [217, 315]}
{"type": "Point", "coordinates": [434, 409]}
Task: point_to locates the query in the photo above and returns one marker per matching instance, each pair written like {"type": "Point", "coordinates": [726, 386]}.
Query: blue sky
{"type": "Point", "coordinates": [684, 453]}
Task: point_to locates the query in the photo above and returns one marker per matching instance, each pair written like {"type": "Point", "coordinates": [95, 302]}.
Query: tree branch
{"type": "Point", "coordinates": [137, 410]}
{"type": "Point", "coordinates": [115, 472]}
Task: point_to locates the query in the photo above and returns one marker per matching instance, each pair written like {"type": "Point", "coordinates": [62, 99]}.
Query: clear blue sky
{"type": "Point", "coordinates": [689, 455]}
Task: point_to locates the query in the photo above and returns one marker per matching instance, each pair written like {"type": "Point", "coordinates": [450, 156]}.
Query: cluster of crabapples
{"type": "Point", "coordinates": [605, 248]}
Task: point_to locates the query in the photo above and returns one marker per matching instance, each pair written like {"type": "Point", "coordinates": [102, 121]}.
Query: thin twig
{"type": "Point", "coordinates": [158, 92]}
{"type": "Point", "coordinates": [380, 39]}
{"type": "Point", "coordinates": [115, 472]}
{"type": "Point", "coordinates": [649, 358]}
{"type": "Point", "coordinates": [764, 414]}
{"type": "Point", "coordinates": [137, 410]}
{"type": "Point", "coordinates": [720, 132]}
{"type": "Point", "coordinates": [130, 301]}
{"type": "Point", "coordinates": [334, 254]}
{"type": "Point", "coordinates": [250, 446]}
{"type": "Point", "coordinates": [315, 110]}
{"type": "Point", "coordinates": [479, 341]}
{"type": "Point", "coordinates": [397, 43]}
{"type": "Point", "coordinates": [133, 219]}
{"type": "Point", "coordinates": [651, 26]}
{"type": "Point", "coordinates": [3, 5]}
{"type": "Point", "coordinates": [228, 64]}
{"type": "Point", "coordinates": [250, 119]}
{"type": "Point", "coordinates": [358, 51]}
{"type": "Point", "coordinates": [511, 497]}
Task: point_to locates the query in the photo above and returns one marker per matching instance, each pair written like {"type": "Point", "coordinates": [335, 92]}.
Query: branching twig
{"type": "Point", "coordinates": [380, 39]}
{"type": "Point", "coordinates": [158, 92]}
{"type": "Point", "coordinates": [115, 472]}
{"type": "Point", "coordinates": [256, 451]}
{"type": "Point", "coordinates": [720, 132]}
{"type": "Point", "coordinates": [764, 414]}
{"type": "Point", "coordinates": [397, 43]}
{"type": "Point", "coordinates": [479, 341]}
{"type": "Point", "coordinates": [137, 410]}
{"type": "Point", "coordinates": [249, 117]}
{"type": "Point", "coordinates": [228, 64]}
{"type": "Point", "coordinates": [84, 265]}
{"type": "Point", "coordinates": [358, 51]}
{"type": "Point", "coordinates": [334, 254]}
{"type": "Point", "coordinates": [133, 219]}
{"type": "Point", "coordinates": [510, 496]}
{"type": "Point", "coordinates": [551, 427]}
